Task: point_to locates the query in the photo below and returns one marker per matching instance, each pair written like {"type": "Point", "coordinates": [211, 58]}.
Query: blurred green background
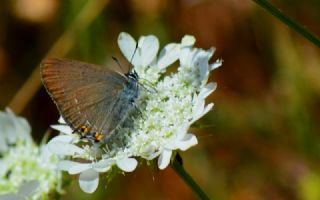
{"type": "Point", "coordinates": [262, 139]}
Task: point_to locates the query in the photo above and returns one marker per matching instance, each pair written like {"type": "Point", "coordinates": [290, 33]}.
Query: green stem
{"type": "Point", "coordinates": [176, 165]}
{"type": "Point", "coordinates": [288, 21]}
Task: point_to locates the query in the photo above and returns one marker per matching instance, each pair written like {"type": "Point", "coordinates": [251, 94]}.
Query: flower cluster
{"type": "Point", "coordinates": [173, 102]}
{"type": "Point", "coordinates": [26, 170]}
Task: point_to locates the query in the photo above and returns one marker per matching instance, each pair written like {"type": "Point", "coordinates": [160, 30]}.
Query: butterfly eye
{"type": "Point", "coordinates": [98, 136]}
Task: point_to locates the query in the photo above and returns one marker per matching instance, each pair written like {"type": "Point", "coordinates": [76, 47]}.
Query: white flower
{"type": "Point", "coordinates": [25, 191]}
{"type": "Point", "coordinates": [13, 128]}
{"type": "Point", "coordinates": [173, 103]}
{"type": "Point", "coordinates": [26, 170]}
{"type": "Point", "coordinates": [89, 171]}
{"type": "Point", "coordinates": [182, 141]}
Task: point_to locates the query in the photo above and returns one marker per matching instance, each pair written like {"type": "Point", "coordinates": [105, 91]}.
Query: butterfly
{"type": "Point", "coordinates": [93, 100]}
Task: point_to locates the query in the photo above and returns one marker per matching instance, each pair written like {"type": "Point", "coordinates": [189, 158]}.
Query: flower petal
{"type": "Point", "coordinates": [207, 90]}
{"type": "Point", "coordinates": [62, 128]}
{"type": "Point", "coordinates": [11, 196]}
{"type": "Point", "coordinates": [20, 124]}
{"type": "Point", "coordinates": [45, 153]}
{"type": "Point", "coordinates": [204, 111]}
{"type": "Point", "coordinates": [188, 141]}
{"type": "Point", "coordinates": [89, 181]}
{"type": "Point", "coordinates": [102, 165]}
{"type": "Point", "coordinates": [164, 158]}
{"type": "Point", "coordinates": [28, 188]}
{"type": "Point", "coordinates": [188, 41]}
{"type": "Point", "coordinates": [185, 57]}
{"type": "Point", "coordinates": [201, 61]}
{"type": "Point", "coordinates": [207, 108]}
{"type": "Point", "coordinates": [63, 148]}
{"type": "Point", "coordinates": [62, 138]}
{"type": "Point", "coordinates": [61, 120]}
{"type": "Point", "coordinates": [168, 55]}
{"type": "Point", "coordinates": [198, 107]}
{"type": "Point", "coordinates": [3, 168]}
{"type": "Point", "coordinates": [3, 145]}
{"type": "Point", "coordinates": [127, 164]}
{"type": "Point", "coordinates": [148, 46]}
{"type": "Point", "coordinates": [73, 167]}
{"type": "Point", "coordinates": [79, 167]}
{"type": "Point", "coordinates": [150, 151]}
{"type": "Point", "coordinates": [65, 165]}
{"type": "Point", "coordinates": [127, 46]}
{"type": "Point", "coordinates": [13, 129]}
{"type": "Point", "coordinates": [215, 65]}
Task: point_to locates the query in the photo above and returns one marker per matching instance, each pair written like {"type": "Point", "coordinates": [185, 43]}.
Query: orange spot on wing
{"type": "Point", "coordinates": [84, 129]}
{"type": "Point", "coordinates": [98, 136]}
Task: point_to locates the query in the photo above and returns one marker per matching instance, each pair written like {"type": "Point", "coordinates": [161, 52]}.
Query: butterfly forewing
{"type": "Point", "coordinates": [85, 94]}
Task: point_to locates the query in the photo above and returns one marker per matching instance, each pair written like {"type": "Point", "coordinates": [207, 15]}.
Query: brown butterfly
{"type": "Point", "coordinates": [93, 100]}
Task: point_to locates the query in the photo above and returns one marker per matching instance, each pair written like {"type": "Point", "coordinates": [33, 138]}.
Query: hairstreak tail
{"type": "Point", "coordinates": [93, 100]}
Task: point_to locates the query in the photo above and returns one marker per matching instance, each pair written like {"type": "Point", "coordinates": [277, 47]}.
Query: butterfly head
{"type": "Point", "coordinates": [133, 75]}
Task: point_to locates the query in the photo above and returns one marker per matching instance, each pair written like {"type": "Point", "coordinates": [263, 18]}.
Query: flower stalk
{"type": "Point", "coordinates": [177, 166]}
{"type": "Point", "coordinates": [289, 22]}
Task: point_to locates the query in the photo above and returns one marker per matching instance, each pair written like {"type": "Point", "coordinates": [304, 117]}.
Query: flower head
{"type": "Point", "coordinates": [173, 102]}
{"type": "Point", "coordinates": [26, 170]}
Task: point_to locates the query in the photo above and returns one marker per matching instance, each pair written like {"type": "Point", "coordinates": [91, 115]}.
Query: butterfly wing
{"type": "Point", "coordinates": [85, 94]}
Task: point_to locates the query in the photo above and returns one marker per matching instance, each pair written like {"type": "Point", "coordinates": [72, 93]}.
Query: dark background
{"type": "Point", "coordinates": [262, 139]}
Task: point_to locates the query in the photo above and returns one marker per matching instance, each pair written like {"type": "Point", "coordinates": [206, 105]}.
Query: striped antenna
{"type": "Point", "coordinates": [130, 63]}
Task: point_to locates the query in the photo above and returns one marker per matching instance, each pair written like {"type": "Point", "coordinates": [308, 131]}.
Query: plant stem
{"type": "Point", "coordinates": [288, 21]}
{"type": "Point", "coordinates": [176, 165]}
